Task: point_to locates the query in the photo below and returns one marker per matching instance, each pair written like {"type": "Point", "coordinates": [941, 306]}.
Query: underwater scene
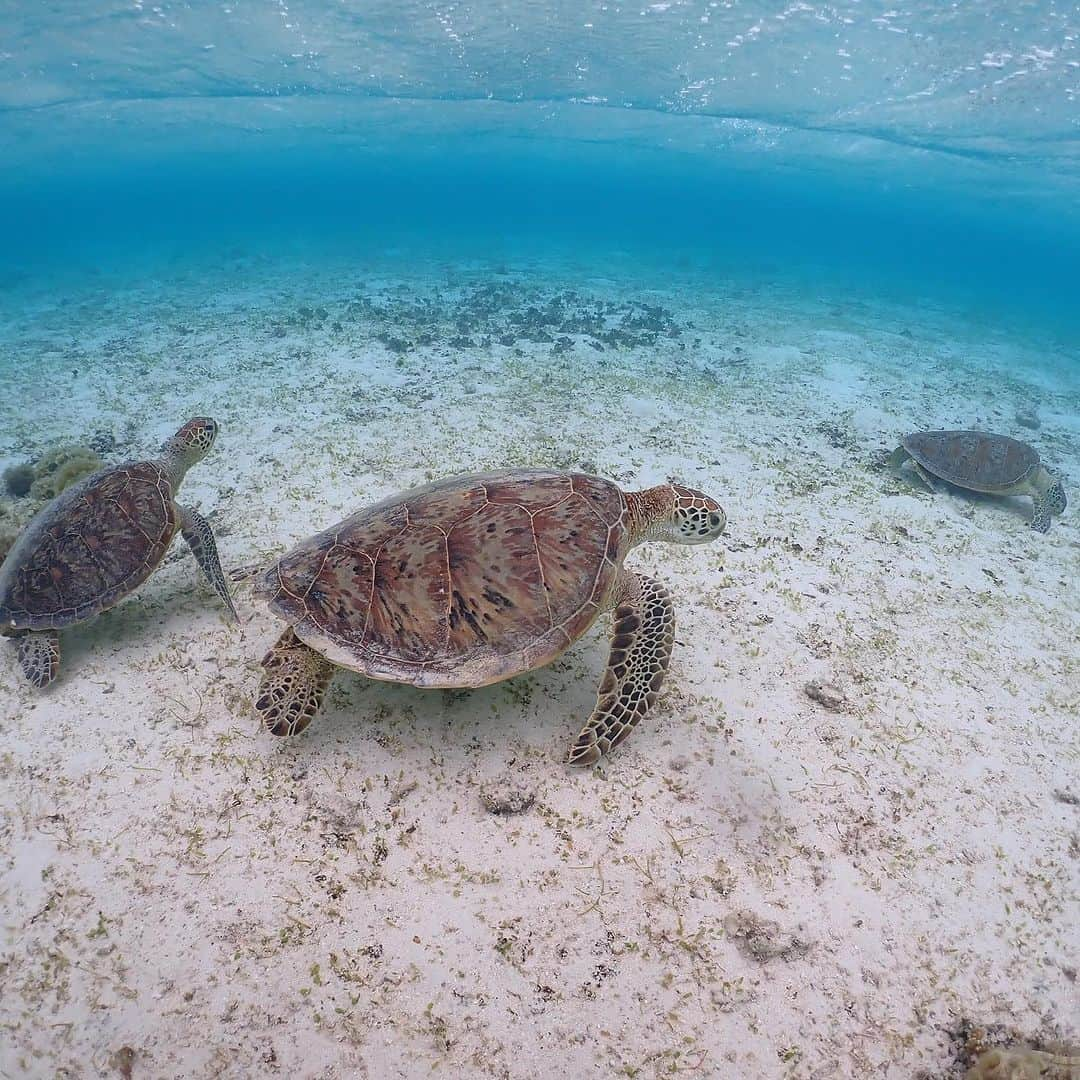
{"type": "Point", "coordinates": [539, 539]}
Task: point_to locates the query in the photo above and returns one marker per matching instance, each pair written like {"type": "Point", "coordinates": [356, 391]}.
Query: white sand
{"type": "Point", "coordinates": [182, 896]}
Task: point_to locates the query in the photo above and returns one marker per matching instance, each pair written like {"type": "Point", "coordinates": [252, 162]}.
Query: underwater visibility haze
{"type": "Point", "coordinates": [743, 249]}
{"type": "Point", "coordinates": [890, 142]}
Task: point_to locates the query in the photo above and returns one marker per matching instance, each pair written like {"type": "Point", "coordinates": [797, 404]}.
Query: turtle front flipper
{"type": "Point", "coordinates": [200, 538]}
{"type": "Point", "coordinates": [1040, 518]}
{"type": "Point", "coordinates": [293, 685]}
{"type": "Point", "coordinates": [642, 634]}
{"type": "Point", "coordinates": [39, 656]}
{"type": "Point", "coordinates": [897, 459]}
{"type": "Point", "coordinates": [1048, 497]}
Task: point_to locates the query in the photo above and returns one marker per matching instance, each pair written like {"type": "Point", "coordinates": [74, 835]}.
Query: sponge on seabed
{"type": "Point", "coordinates": [18, 479]}
{"type": "Point", "coordinates": [51, 474]}
{"type": "Point", "coordinates": [60, 468]}
{"type": "Point", "coordinates": [8, 536]}
{"type": "Point", "coordinates": [12, 520]}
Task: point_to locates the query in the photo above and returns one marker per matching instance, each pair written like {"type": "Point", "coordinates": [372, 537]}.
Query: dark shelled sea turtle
{"type": "Point", "coordinates": [980, 461]}
{"type": "Point", "coordinates": [97, 541]}
{"type": "Point", "coordinates": [475, 579]}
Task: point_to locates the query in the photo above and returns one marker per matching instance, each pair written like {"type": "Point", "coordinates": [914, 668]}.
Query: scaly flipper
{"type": "Point", "coordinates": [642, 634]}
{"type": "Point", "coordinates": [897, 460]}
{"type": "Point", "coordinates": [39, 655]}
{"type": "Point", "coordinates": [294, 682]}
{"type": "Point", "coordinates": [200, 538]}
{"type": "Point", "coordinates": [1040, 518]}
{"type": "Point", "coordinates": [925, 477]}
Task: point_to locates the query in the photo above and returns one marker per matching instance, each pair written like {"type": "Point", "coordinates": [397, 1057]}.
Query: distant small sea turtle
{"type": "Point", "coordinates": [979, 461]}
{"type": "Point", "coordinates": [474, 579]}
{"type": "Point", "coordinates": [96, 542]}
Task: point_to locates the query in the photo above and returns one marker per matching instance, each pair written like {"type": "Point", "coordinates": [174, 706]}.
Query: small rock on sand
{"type": "Point", "coordinates": [506, 795]}
{"type": "Point", "coordinates": [762, 939]}
{"type": "Point", "coordinates": [826, 693]}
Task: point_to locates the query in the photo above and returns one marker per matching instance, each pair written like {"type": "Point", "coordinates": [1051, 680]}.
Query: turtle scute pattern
{"type": "Point", "coordinates": [973, 459]}
{"type": "Point", "coordinates": [462, 567]}
{"type": "Point", "coordinates": [109, 538]}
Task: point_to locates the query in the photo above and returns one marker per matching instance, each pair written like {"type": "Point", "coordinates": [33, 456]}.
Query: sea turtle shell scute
{"type": "Point", "coordinates": [977, 460]}
{"type": "Point", "coordinates": [459, 583]}
{"type": "Point", "coordinates": [88, 548]}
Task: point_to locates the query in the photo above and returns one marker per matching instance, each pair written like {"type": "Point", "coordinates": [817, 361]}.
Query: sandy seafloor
{"type": "Point", "coordinates": [754, 885]}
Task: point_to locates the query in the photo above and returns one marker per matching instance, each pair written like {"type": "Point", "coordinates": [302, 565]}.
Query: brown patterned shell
{"type": "Point", "coordinates": [976, 460]}
{"type": "Point", "coordinates": [88, 548]}
{"type": "Point", "coordinates": [461, 583]}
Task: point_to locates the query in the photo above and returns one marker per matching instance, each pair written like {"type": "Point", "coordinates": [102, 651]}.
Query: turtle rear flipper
{"type": "Point", "coordinates": [39, 656]}
{"type": "Point", "coordinates": [642, 636]}
{"type": "Point", "coordinates": [294, 682]}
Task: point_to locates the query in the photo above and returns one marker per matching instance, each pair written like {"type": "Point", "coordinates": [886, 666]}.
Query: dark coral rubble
{"type": "Point", "coordinates": [507, 314]}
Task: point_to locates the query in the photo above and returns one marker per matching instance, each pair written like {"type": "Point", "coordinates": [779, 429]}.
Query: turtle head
{"type": "Point", "coordinates": [190, 444]}
{"type": "Point", "coordinates": [695, 517]}
{"type": "Point", "coordinates": [680, 515]}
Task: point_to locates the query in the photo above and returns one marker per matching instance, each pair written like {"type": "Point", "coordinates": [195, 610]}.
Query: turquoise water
{"type": "Point", "coordinates": [739, 245]}
{"type": "Point", "coordinates": [913, 151]}
{"type": "Point", "coordinates": [1011, 259]}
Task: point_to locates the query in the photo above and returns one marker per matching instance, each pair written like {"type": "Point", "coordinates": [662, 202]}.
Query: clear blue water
{"type": "Point", "coordinates": [911, 151]}
{"type": "Point", "coordinates": [741, 243]}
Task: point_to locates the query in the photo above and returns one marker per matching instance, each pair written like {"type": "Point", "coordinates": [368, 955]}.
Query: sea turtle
{"type": "Point", "coordinates": [980, 461]}
{"type": "Point", "coordinates": [474, 579]}
{"type": "Point", "coordinates": [97, 541]}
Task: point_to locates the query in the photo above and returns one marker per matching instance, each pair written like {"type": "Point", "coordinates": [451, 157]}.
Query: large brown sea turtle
{"type": "Point", "coordinates": [474, 579]}
{"type": "Point", "coordinates": [980, 461]}
{"type": "Point", "coordinates": [97, 541]}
